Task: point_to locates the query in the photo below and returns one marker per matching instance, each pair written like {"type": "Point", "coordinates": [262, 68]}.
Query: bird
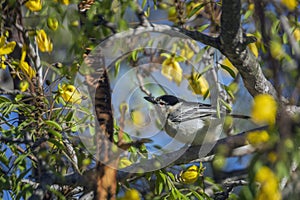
{"type": "Point", "coordinates": [190, 122]}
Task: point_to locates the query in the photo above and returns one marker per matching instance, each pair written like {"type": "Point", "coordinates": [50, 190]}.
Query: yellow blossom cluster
{"type": "Point", "coordinates": [43, 41]}
{"type": "Point", "coordinates": [131, 194]}
{"type": "Point", "coordinates": [69, 93]}
{"type": "Point", "coordinates": [65, 2]}
{"type": "Point", "coordinates": [138, 118]}
{"type": "Point", "coordinates": [264, 109]}
{"type": "Point", "coordinates": [5, 49]}
{"type": "Point", "coordinates": [52, 23]}
{"type": "Point", "coordinates": [190, 175]}
{"type": "Point", "coordinates": [257, 138]}
{"type": "Point", "coordinates": [34, 5]}
{"type": "Point", "coordinates": [24, 66]}
{"type": "Point", "coordinates": [186, 52]}
{"type": "Point", "coordinates": [290, 4]}
{"type": "Point", "coordinates": [171, 68]}
{"type": "Point", "coordinates": [269, 187]}
{"type": "Point", "coordinates": [198, 84]}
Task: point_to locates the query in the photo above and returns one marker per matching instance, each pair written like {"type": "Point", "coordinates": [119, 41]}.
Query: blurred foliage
{"type": "Point", "coordinates": [39, 121]}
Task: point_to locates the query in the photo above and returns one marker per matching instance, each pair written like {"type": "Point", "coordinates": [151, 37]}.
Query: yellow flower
{"type": "Point", "coordinates": [6, 48]}
{"type": "Point", "coordinates": [276, 50]}
{"type": "Point", "coordinates": [171, 68]}
{"type": "Point", "coordinates": [29, 71]}
{"type": "Point", "coordinates": [131, 194]}
{"type": "Point", "coordinates": [66, 2]}
{"type": "Point", "coordinates": [290, 4]}
{"type": "Point", "coordinates": [187, 52]}
{"type": "Point", "coordinates": [198, 84]}
{"type": "Point", "coordinates": [24, 66]}
{"type": "Point", "coordinates": [43, 41]}
{"type": "Point", "coordinates": [69, 93]}
{"type": "Point", "coordinates": [251, 6]}
{"type": "Point", "coordinates": [296, 34]}
{"type": "Point", "coordinates": [190, 175]}
{"type": "Point", "coordinates": [138, 118]}
{"type": "Point", "coordinates": [272, 157]}
{"type": "Point", "coordinates": [34, 5]}
{"type": "Point", "coordinates": [3, 65]}
{"type": "Point", "coordinates": [264, 109]}
{"type": "Point", "coordinates": [23, 86]}
{"type": "Point", "coordinates": [227, 63]}
{"type": "Point", "coordinates": [269, 187]}
{"type": "Point", "coordinates": [52, 23]}
{"type": "Point", "coordinates": [253, 47]}
{"type": "Point", "coordinates": [257, 138]}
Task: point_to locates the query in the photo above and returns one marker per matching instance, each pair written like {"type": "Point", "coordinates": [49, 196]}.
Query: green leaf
{"type": "Point", "coordinates": [163, 176]}
{"type": "Point", "coordinates": [155, 3]}
{"type": "Point", "coordinates": [248, 14]}
{"type": "Point", "coordinates": [69, 116]}
{"type": "Point", "coordinates": [203, 27]}
{"type": "Point", "coordinates": [196, 9]}
{"type": "Point", "coordinates": [147, 13]}
{"type": "Point", "coordinates": [206, 69]}
{"type": "Point", "coordinates": [171, 175]}
{"type": "Point", "coordinates": [159, 183]}
{"type": "Point", "coordinates": [4, 99]}
{"type": "Point", "coordinates": [285, 38]}
{"type": "Point", "coordinates": [20, 158]}
{"type": "Point", "coordinates": [4, 160]}
{"type": "Point", "coordinates": [227, 105]}
{"type": "Point", "coordinates": [134, 55]}
{"type": "Point", "coordinates": [22, 174]}
{"type": "Point", "coordinates": [180, 59]}
{"type": "Point", "coordinates": [55, 133]}
{"type": "Point", "coordinates": [174, 193]}
{"type": "Point", "coordinates": [74, 128]}
{"type": "Point", "coordinates": [117, 67]}
{"type": "Point", "coordinates": [56, 143]}
{"type": "Point", "coordinates": [206, 94]}
{"type": "Point", "coordinates": [229, 92]}
{"type": "Point", "coordinates": [4, 183]}
{"type": "Point", "coordinates": [167, 55]}
{"type": "Point", "coordinates": [218, 109]}
{"type": "Point", "coordinates": [116, 138]}
{"type": "Point", "coordinates": [53, 124]}
{"type": "Point", "coordinates": [123, 25]}
{"type": "Point", "coordinates": [144, 3]}
{"type": "Point", "coordinates": [230, 71]}
{"type": "Point", "coordinates": [197, 195]}
{"type": "Point", "coordinates": [275, 27]}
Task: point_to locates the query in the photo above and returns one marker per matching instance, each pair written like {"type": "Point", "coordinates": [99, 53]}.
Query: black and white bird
{"type": "Point", "coordinates": [189, 122]}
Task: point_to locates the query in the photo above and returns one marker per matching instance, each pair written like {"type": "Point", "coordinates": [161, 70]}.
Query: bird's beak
{"type": "Point", "coordinates": [150, 99]}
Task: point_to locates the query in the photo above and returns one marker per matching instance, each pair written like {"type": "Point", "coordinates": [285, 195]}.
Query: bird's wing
{"type": "Point", "coordinates": [192, 112]}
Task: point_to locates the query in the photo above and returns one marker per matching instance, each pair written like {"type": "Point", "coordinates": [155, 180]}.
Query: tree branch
{"type": "Point", "coordinates": [203, 38]}
{"type": "Point", "coordinates": [232, 42]}
{"type": "Point", "coordinates": [234, 46]}
{"type": "Point", "coordinates": [191, 154]}
{"type": "Point", "coordinates": [141, 15]}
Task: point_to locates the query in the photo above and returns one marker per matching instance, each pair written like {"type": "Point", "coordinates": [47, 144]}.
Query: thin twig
{"type": "Point", "coordinates": [141, 15]}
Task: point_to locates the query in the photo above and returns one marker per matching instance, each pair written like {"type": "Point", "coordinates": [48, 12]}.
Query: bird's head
{"type": "Point", "coordinates": [163, 104]}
